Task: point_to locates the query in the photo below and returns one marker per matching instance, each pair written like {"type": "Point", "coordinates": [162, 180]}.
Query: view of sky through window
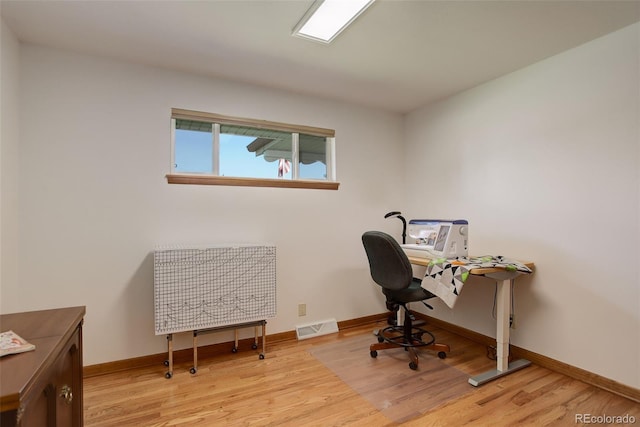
{"type": "Point", "coordinates": [194, 154]}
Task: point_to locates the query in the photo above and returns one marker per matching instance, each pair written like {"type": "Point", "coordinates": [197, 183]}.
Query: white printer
{"type": "Point", "coordinates": [437, 238]}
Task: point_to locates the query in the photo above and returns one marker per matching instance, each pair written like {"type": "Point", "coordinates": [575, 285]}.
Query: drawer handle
{"type": "Point", "coordinates": [66, 394]}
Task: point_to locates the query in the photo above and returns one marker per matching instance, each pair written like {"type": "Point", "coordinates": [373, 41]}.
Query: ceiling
{"type": "Point", "coordinates": [399, 55]}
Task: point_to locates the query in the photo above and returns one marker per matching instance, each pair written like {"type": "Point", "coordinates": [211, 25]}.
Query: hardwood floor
{"type": "Point", "coordinates": [291, 388]}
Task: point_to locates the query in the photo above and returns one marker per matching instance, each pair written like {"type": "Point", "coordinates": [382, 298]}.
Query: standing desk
{"type": "Point", "coordinates": [503, 279]}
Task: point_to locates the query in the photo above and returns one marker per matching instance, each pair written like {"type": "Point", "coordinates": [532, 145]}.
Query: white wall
{"type": "Point", "coordinates": [94, 201]}
{"type": "Point", "coordinates": [544, 164]}
{"type": "Point", "coordinates": [9, 138]}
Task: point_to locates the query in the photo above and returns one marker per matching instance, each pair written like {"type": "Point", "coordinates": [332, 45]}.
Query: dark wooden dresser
{"type": "Point", "coordinates": [43, 387]}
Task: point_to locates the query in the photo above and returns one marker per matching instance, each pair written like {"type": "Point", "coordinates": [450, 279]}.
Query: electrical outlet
{"type": "Point", "coordinates": [302, 310]}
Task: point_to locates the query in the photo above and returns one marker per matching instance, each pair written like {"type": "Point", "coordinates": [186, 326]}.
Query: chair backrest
{"type": "Point", "coordinates": [389, 265]}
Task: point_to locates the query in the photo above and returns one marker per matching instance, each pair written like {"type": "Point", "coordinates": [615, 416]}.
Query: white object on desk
{"type": "Point", "coordinates": [438, 238]}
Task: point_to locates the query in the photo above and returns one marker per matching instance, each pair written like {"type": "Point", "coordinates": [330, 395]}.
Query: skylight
{"type": "Point", "coordinates": [328, 18]}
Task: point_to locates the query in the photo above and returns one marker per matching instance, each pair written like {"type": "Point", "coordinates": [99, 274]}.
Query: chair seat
{"type": "Point", "coordinates": [415, 292]}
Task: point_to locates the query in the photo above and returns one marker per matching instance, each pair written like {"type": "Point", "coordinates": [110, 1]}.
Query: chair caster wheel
{"type": "Point", "coordinates": [166, 363]}
{"type": "Point", "coordinates": [413, 366]}
{"type": "Point", "coordinates": [168, 375]}
{"type": "Point", "coordinates": [234, 350]}
{"type": "Point", "coordinates": [374, 353]}
{"type": "Point", "coordinates": [442, 355]}
{"type": "Point", "coordinates": [261, 356]}
{"type": "Point", "coordinates": [380, 338]}
{"type": "Point", "coordinates": [193, 370]}
{"type": "Point", "coordinates": [254, 346]}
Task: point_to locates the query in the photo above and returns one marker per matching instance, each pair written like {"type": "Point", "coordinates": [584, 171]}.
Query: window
{"type": "Point", "coordinates": [213, 149]}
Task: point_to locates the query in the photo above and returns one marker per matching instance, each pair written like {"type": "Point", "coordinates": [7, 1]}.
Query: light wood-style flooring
{"type": "Point", "coordinates": [291, 388]}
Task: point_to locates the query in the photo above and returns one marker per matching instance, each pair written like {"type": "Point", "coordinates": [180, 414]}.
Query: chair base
{"type": "Point", "coordinates": [409, 337]}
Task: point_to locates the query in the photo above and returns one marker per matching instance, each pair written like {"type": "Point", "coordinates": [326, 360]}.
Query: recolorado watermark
{"type": "Point", "coordinates": [604, 419]}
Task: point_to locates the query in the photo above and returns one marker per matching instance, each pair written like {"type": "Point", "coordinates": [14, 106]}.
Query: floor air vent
{"type": "Point", "coordinates": [311, 330]}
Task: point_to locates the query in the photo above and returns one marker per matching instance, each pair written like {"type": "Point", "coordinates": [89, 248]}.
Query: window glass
{"type": "Point", "coordinates": [193, 147]}
{"type": "Point", "coordinates": [313, 157]}
{"type": "Point", "coordinates": [254, 152]}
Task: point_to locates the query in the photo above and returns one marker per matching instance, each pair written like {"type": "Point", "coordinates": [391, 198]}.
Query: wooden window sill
{"type": "Point", "coordinates": [250, 182]}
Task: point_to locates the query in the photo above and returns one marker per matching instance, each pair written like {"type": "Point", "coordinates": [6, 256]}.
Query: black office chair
{"type": "Point", "coordinates": [391, 269]}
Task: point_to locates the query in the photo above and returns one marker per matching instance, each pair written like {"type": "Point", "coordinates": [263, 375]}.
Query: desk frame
{"type": "Point", "coordinates": [503, 280]}
{"type": "Point", "coordinates": [503, 322]}
{"type": "Point", "coordinates": [256, 324]}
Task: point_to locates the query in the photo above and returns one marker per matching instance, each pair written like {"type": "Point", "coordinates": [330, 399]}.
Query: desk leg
{"type": "Point", "coordinates": [502, 338]}
{"type": "Point", "coordinates": [264, 339]}
{"type": "Point", "coordinates": [194, 368]}
{"type": "Point", "coordinates": [503, 320]}
{"type": "Point", "coordinates": [169, 361]}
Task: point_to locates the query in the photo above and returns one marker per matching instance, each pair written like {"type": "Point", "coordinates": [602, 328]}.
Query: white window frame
{"type": "Point", "coordinates": [214, 178]}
